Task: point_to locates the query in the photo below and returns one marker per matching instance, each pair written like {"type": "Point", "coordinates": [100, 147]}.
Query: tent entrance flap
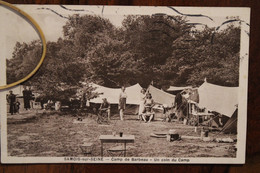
{"type": "Point", "coordinates": [231, 125]}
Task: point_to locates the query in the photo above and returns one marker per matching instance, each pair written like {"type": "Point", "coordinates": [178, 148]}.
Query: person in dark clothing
{"type": "Point", "coordinates": [26, 98]}
{"type": "Point", "coordinates": [83, 101]}
{"type": "Point", "coordinates": [178, 100]}
{"type": "Point", "coordinates": [12, 101]}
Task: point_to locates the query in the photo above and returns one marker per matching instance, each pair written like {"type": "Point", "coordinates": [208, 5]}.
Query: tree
{"type": "Point", "coordinates": [24, 59]}
{"type": "Point", "coordinates": [150, 41]}
{"type": "Point", "coordinates": [164, 49]}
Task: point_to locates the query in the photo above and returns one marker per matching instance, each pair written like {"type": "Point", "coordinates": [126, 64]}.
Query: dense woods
{"type": "Point", "coordinates": [165, 50]}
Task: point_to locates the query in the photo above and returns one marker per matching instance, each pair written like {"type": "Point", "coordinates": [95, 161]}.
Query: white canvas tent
{"type": "Point", "coordinates": [112, 94]}
{"type": "Point", "coordinates": [218, 98]}
{"type": "Point", "coordinates": [161, 97]}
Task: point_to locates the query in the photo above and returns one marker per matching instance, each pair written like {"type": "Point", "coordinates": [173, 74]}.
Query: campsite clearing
{"type": "Point", "coordinates": [56, 135]}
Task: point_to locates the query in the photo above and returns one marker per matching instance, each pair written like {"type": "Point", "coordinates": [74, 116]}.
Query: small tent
{"type": "Point", "coordinates": [161, 97]}
{"type": "Point", "coordinates": [112, 96]}
{"type": "Point", "coordinates": [218, 98]}
{"type": "Point", "coordinates": [231, 125]}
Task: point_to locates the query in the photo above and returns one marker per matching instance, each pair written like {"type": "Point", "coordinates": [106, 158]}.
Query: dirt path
{"type": "Point", "coordinates": [62, 135]}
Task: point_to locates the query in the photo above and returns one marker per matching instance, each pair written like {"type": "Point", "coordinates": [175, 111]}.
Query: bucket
{"type": "Point", "coordinates": [204, 134]}
{"type": "Point", "coordinates": [172, 137]}
{"type": "Point", "coordinates": [175, 137]}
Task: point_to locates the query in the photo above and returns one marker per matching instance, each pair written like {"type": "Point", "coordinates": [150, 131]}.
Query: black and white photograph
{"type": "Point", "coordinates": [123, 84]}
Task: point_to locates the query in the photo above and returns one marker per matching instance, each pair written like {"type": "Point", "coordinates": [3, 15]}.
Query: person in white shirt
{"type": "Point", "coordinates": [122, 103]}
{"type": "Point", "coordinates": [141, 105]}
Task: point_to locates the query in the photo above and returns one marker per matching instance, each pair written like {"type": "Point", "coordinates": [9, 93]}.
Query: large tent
{"type": "Point", "coordinates": [112, 96]}
{"type": "Point", "coordinates": [218, 98]}
{"type": "Point", "coordinates": [161, 97]}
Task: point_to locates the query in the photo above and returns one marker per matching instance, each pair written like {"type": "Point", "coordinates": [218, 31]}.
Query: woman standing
{"type": "Point", "coordinates": [142, 100]}
{"type": "Point", "coordinates": [122, 103]}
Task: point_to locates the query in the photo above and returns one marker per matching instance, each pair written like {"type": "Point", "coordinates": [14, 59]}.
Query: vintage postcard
{"type": "Point", "coordinates": [125, 85]}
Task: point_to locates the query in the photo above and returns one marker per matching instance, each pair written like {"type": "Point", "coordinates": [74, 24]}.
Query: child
{"type": "Point", "coordinates": [17, 106]}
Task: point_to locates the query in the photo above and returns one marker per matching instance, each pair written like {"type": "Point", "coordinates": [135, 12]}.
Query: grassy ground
{"type": "Point", "coordinates": [51, 134]}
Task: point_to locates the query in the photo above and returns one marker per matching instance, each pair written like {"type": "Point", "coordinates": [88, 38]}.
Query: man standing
{"type": "Point", "coordinates": [31, 97]}
{"type": "Point", "coordinates": [83, 101]}
{"type": "Point", "coordinates": [26, 98]}
{"type": "Point", "coordinates": [122, 103]}
{"type": "Point", "coordinates": [11, 99]}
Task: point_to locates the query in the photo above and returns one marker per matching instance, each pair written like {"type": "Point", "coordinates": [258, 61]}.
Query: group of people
{"type": "Point", "coordinates": [145, 113]}
{"type": "Point", "coordinates": [14, 104]}
{"type": "Point", "coordinates": [105, 105]}
{"type": "Point", "coordinates": [28, 98]}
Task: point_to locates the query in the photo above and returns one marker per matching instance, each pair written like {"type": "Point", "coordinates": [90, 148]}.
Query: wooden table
{"type": "Point", "coordinates": [116, 139]}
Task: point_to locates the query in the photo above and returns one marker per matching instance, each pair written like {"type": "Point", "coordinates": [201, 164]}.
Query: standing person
{"type": "Point", "coordinates": [142, 100]}
{"type": "Point", "coordinates": [178, 100]}
{"type": "Point", "coordinates": [31, 97]}
{"type": "Point", "coordinates": [11, 99]}
{"type": "Point", "coordinates": [26, 98]}
{"type": "Point", "coordinates": [83, 101]}
{"type": "Point", "coordinates": [122, 103]}
{"type": "Point", "coordinates": [41, 99]}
